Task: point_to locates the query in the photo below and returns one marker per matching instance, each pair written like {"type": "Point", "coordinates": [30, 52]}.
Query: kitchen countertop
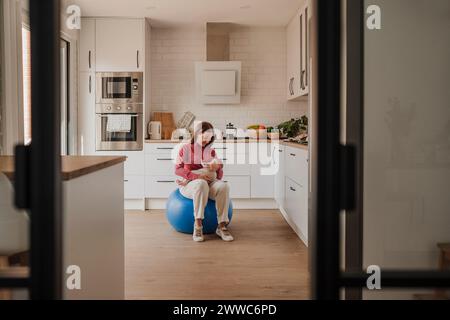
{"type": "Point", "coordinates": [72, 166]}
{"type": "Point", "coordinates": [286, 143]}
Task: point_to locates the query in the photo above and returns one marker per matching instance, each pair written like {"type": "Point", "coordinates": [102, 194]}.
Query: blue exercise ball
{"type": "Point", "coordinates": [180, 214]}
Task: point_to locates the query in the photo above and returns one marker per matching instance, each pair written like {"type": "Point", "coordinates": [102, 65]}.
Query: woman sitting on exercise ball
{"type": "Point", "coordinates": [202, 174]}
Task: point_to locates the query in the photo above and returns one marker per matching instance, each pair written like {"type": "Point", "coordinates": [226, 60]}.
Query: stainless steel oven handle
{"type": "Point", "coordinates": [106, 116]}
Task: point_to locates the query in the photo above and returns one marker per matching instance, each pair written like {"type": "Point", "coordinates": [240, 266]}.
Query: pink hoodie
{"type": "Point", "coordinates": [191, 157]}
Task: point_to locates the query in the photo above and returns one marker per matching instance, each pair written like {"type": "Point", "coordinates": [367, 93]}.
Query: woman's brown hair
{"type": "Point", "coordinates": [202, 128]}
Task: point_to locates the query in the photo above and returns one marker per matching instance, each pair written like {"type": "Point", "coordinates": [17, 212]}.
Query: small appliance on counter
{"type": "Point", "coordinates": [181, 134]}
{"type": "Point", "coordinates": [154, 130]}
{"type": "Point", "coordinates": [231, 132]}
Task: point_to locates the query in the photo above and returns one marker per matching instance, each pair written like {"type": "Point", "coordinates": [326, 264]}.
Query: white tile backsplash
{"type": "Point", "coordinates": [263, 54]}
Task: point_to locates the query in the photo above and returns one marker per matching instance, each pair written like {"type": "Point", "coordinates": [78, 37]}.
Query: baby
{"type": "Point", "coordinates": [205, 171]}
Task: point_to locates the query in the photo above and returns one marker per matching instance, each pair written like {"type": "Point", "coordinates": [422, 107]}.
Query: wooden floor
{"type": "Point", "coordinates": [266, 261]}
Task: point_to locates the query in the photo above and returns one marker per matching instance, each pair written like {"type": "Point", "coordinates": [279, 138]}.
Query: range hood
{"type": "Point", "coordinates": [218, 80]}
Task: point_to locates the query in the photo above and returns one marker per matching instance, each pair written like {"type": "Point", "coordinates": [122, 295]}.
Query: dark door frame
{"type": "Point", "coordinates": [37, 180]}
{"type": "Point", "coordinates": [355, 136]}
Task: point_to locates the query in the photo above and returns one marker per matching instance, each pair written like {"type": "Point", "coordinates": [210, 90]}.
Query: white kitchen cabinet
{"type": "Point", "coordinates": [120, 44]}
{"type": "Point", "coordinates": [296, 206]}
{"type": "Point", "coordinates": [297, 37]}
{"type": "Point", "coordinates": [135, 164]}
{"type": "Point", "coordinates": [161, 148]}
{"type": "Point", "coordinates": [296, 161]}
{"type": "Point", "coordinates": [235, 169]}
{"type": "Point", "coordinates": [278, 162]}
{"type": "Point", "coordinates": [134, 187]}
{"type": "Point", "coordinates": [86, 113]}
{"type": "Point", "coordinates": [262, 185]}
{"type": "Point", "coordinates": [293, 57]}
{"type": "Point", "coordinates": [87, 45]}
{"type": "Point", "coordinates": [160, 187]}
{"type": "Point", "coordinates": [262, 171]}
{"type": "Point", "coordinates": [239, 186]}
{"type": "Point", "coordinates": [159, 164]}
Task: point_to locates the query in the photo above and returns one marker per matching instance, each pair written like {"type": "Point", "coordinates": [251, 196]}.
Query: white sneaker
{"type": "Point", "coordinates": [198, 234]}
{"type": "Point", "coordinates": [224, 234]}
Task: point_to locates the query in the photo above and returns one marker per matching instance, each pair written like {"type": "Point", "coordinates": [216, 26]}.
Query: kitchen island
{"type": "Point", "coordinates": [93, 223]}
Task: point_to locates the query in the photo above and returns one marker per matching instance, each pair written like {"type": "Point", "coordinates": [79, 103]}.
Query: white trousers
{"type": "Point", "coordinates": [199, 191]}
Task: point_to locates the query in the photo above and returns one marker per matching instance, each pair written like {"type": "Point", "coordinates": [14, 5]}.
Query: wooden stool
{"type": "Point", "coordinates": [5, 294]}
{"type": "Point", "coordinates": [444, 264]}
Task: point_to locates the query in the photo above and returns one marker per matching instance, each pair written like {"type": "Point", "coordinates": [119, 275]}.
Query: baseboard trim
{"type": "Point", "coordinates": [294, 226]}
{"type": "Point", "coordinates": [138, 204]}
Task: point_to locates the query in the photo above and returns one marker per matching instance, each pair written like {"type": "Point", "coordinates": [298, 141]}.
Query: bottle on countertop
{"type": "Point", "coordinates": [230, 131]}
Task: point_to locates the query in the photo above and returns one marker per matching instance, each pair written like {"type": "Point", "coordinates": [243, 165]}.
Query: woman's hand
{"type": "Point", "coordinates": [213, 167]}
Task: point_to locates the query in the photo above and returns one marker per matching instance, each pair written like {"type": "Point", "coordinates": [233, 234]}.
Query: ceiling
{"type": "Point", "coordinates": [167, 13]}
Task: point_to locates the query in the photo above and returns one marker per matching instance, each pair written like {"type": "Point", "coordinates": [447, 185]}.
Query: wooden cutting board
{"type": "Point", "coordinates": [167, 123]}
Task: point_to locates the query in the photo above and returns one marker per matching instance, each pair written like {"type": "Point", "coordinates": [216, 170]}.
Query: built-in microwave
{"type": "Point", "coordinates": [119, 87]}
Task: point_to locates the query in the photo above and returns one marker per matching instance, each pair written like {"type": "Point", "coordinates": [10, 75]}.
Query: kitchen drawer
{"type": "Point", "coordinates": [239, 186]}
{"type": "Point", "coordinates": [236, 169]}
{"type": "Point", "coordinates": [161, 148]}
{"type": "Point", "coordinates": [135, 163]}
{"type": "Point", "coordinates": [296, 205]}
{"type": "Point", "coordinates": [296, 161]}
{"type": "Point", "coordinates": [262, 186]}
{"type": "Point", "coordinates": [134, 187]}
{"type": "Point", "coordinates": [160, 186]}
{"type": "Point", "coordinates": [230, 147]}
{"type": "Point", "coordinates": [159, 164]}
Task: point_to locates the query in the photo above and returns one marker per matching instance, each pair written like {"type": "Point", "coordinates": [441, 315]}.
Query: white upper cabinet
{"type": "Point", "coordinates": [293, 58]}
{"type": "Point", "coordinates": [87, 45]}
{"type": "Point", "coordinates": [297, 37]}
{"type": "Point", "coordinates": [120, 44]}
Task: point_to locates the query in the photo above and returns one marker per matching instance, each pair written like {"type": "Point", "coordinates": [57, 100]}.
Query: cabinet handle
{"type": "Point", "coordinates": [164, 148]}
{"type": "Point", "coordinates": [164, 159]}
{"type": "Point", "coordinates": [292, 189]}
{"type": "Point", "coordinates": [90, 84]}
{"type": "Point", "coordinates": [125, 180]}
{"type": "Point", "coordinates": [291, 86]}
{"type": "Point", "coordinates": [306, 47]}
{"type": "Point", "coordinates": [301, 51]}
{"type": "Point", "coordinates": [137, 58]}
{"type": "Point", "coordinates": [280, 151]}
{"type": "Point", "coordinates": [90, 64]}
{"type": "Point", "coordinates": [293, 154]}
{"type": "Point", "coordinates": [302, 80]}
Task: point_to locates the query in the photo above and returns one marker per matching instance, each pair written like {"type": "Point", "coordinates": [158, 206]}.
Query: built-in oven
{"type": "Point", "coordinates": [119, 87]}
{"type": "Point", "coordinates": [119, 127]}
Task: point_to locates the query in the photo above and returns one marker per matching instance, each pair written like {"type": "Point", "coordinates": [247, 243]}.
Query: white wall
{"type": "Point", "coordinates": [263, 55]}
